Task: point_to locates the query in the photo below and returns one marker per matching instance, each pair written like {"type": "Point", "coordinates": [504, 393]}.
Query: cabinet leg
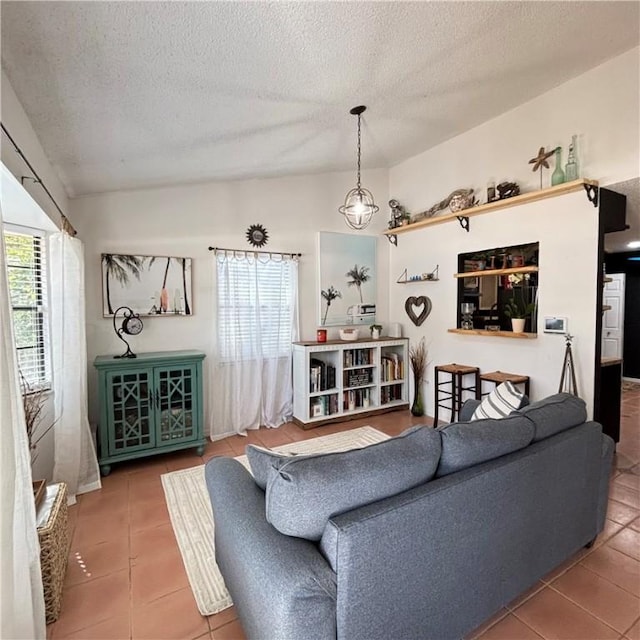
{"type": "Point", "coordinates": [105, 469]}
{"type": "Point", "coordinates": [200, 450]}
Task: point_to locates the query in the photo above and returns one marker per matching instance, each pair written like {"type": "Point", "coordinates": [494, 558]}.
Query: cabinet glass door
{"type": "Point", "coordinates": [130, 410]}
{"type": "Point", "coordinates": [176, 406]}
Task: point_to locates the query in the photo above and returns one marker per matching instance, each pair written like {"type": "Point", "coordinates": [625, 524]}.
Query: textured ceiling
{"type": "Point", "coordinates": [131, 94]}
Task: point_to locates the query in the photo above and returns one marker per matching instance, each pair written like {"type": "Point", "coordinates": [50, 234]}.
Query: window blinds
{"type": "Point", "coordinates": [26, 269]}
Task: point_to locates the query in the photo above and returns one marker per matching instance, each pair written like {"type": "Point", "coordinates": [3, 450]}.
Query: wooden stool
{"type": "Point", "coordinates": [498, 377]}
{"type": "Point", "coordinates": [457, 373]}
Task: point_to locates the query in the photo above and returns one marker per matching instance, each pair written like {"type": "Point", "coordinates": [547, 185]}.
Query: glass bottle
{"type": "Point", "coordinates": [571, 168]}
{"type": "Point", "coordinates": [557, 177]}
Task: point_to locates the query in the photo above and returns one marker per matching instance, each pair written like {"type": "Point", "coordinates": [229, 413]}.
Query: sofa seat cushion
{"type": "Point", "coordinates": [502, 401]}
{"type": "Point", "coordinates": [304, 492]}
{"type": "Point", "coordinates": [465, 444]}
{"type": "Point", "coordinates": [555, 414]}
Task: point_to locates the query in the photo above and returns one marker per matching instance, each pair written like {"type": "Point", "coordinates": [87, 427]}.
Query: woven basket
{"type": "Point", "coordinates": [54, 551]}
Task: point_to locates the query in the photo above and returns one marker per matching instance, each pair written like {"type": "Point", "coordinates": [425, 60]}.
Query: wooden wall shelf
{"type": "Point", "coordinates": [524, 198]}
{"type": "Point", "coordinates": [496, 272]}
{"type": "Point", "coordinates": [494, 334]}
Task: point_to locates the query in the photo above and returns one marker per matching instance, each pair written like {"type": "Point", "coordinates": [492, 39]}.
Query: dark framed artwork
{"type": "Point", "coordinates": [149, 285]}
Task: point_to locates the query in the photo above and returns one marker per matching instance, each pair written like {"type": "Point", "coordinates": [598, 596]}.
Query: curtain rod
{"type": "Point", "coordinates": [271, 253]}
{"type": "Point", "coordinates": [66, 225]}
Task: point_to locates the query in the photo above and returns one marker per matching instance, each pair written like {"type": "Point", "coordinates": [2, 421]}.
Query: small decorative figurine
{"type": "Point", "coordinates": [398, 214]}
{"type": "Point", "coordinates": [541, 161]}
{"type": "Point", "coordinates": [507, 190]}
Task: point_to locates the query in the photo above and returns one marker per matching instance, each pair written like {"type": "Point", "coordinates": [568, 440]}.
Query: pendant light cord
{"type": "Point", "coordinates": [358, 152]}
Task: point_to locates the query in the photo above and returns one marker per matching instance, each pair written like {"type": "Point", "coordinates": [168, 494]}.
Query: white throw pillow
{"type": "Point", "coordinates": [504, 399]}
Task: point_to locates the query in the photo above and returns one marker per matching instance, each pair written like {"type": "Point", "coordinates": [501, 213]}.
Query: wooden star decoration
{"type": "Point", "coordinates": [541, 161]}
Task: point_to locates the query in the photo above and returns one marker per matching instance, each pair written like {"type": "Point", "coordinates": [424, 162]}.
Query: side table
{"type": "Point", "coordinates": [53, 533]}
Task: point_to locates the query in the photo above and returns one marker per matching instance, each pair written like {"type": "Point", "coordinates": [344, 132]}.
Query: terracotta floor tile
{"type": "Point", "coordinates": [487, 624]}
{"type": "Point", "coordinates": [634, 632]}
{"type": "Point", "coordinates": [87, 604]}
{"type": "Point", "coordinates": [99, 502]}
{"type": "Point", "coordinates": [117, 480]}
{"type": "Point", "coordinates": [602, 598]}
{"type": "Point", "coordinates": [274, 437]}
{"type": "Point", "coordinates": [626, 541]}
{"type": "Point", "coordinates": [629, 480]}
{"type": "Point", "coordinates": [552, 615]}
{"type": "Point", "coordinates": [224, 617]}
{"type": "Point", "coordinates": [117, 628]}
{"type": "Point", "coordinates": [635, 525]}
{"type": "Point", "coordinates": [184, 463]}
{"type": "Point", "coordinates": [147, 515]}
{"type": "Point", "coordinates": [89, 562]}
{"type": "Point", "coordinates": [105, 527]}
{"type": "Point", "coordinates": [621, 513]}
{"type": "Point", "coordinates": [150, 542]}
{"type": "Point", "coordinates": [231, 631]}
{"type": "Point", "coordinates": [514, 604]}
{"type": "Point", "coordinates": [610, 529]}
{"type": "Point", "coordinates": [625, 495]}
{"type": "Point", "coordinates": [510, 628]}
{"type": "Point", "coordinates": [152, 464]}
{"type": "Point", "coordinates": [146, 489]}
{"type": "Point", "coordinates": [219, 447]}
{"type": "Point", "coordinates": [149, 580]}
{"type": "Point", "coordinates": [172, 617]}
{"type": "Point", "coordinates": [615, 567]}
{"type": "Point", "coordinates": [566, 565]}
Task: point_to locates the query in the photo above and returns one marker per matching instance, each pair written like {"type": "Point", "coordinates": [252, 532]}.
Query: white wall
{"type": "Point", "coordinates": [185, 220]}
{"type": "Point", "coordinates": [602, 106]}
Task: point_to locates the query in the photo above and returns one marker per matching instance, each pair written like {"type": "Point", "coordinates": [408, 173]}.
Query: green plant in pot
{"type": "Point", "coordinates": [518, 308]}
{"type": "Point", "coordinates": [375, 330]}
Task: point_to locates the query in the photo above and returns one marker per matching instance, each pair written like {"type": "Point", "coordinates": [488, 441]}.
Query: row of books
{"type": "Point", "coordinates": [357, 399]}
{"type": "Point", "coordinates": [357, 357]}
{"type": "Point", "coordinates": [391, 393]}
{"type": "Point", "coordinates": [392, 367]}
{"type": "Point", "coordinates": [357, 377]}
{"type": "Point", "coordinates": [323, 405]}
{"type": "Point", "coordinates": [322, 376]}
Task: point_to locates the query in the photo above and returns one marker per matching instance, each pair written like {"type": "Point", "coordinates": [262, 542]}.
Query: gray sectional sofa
{"type": "Point", "coordinates": [503, 503]}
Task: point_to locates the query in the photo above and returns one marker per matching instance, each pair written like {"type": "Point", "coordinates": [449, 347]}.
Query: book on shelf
{"type": "Point", "coordinates": [392, 367]}
{"type": "Point", "coordinates": [322, 375]}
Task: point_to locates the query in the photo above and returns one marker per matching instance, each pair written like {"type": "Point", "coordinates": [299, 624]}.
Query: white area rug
{"type": "Point", "coordinates": [192, 520]}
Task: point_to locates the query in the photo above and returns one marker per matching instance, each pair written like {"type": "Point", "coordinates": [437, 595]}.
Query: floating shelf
{"type": "Point", "coordinates": [524, 198]}
{"type": "Point", "coordinates": [495, 272]}
{"type": "Point", "coordinates": [494, 334]}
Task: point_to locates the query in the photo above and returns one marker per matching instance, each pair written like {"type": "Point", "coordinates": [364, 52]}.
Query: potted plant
{"type": "Point", "coordinates": [375, 330]}
{"type": "Point", "coordinates": [518, 307]}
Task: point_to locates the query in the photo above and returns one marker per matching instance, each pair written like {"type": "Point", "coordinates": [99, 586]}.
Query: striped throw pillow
{"type": "Point", "coordinates": [504, 399]}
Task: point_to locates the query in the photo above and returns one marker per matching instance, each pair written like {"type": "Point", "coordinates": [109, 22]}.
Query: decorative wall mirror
{"type": "Point", "coordinates": [148, 285]}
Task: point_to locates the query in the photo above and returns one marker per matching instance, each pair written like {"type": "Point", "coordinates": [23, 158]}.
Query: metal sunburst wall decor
{"type": "Point", "coordinates": [257, 235]}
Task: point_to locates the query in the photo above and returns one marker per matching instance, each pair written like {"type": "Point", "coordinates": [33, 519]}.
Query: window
{"type": "Point", "coordinates": [257, 306]}
{"type": "Point", "coordinates": [26, 269]}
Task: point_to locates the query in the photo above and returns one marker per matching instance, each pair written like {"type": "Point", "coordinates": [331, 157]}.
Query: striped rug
{"type": "Point", "coordinates": [192, 520]}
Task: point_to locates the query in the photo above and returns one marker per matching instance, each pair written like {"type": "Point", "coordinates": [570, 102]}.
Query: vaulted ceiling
{"type": "Point", "coordinates": [131, 94]}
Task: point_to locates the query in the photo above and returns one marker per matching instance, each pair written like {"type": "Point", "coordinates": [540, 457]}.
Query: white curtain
{"type": "Point", "coordinates": [21, 597]}
{"type": "Point", "coordinates": [256, 322]}
{"type": "Point", "coordinates": [75, 459]}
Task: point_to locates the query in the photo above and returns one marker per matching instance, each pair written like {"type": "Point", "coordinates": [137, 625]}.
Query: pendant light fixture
{"type": "Point", "coordinates": [358, 207]}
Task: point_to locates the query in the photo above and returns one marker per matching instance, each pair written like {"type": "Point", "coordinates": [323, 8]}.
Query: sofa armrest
{"type": "Point", "coordinates": [608, 447]}
{"type": "Point", "coordinates": [281, 586]}
{"type": "Point", "coordinates": [467, 409]}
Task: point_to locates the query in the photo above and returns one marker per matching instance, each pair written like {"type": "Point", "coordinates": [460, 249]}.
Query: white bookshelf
{"type": "Point", "coordinates": [339, 380]}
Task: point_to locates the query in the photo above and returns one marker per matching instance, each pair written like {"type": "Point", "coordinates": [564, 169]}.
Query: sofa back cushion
{"type": "Point", "coordinates": [467, 443]}
{"type": "Point", "coordinates": [554, 414]}
{"type": "Point", "coordinates": [262, 459]}
{"type": "Point", "coordinates": [304, 492]}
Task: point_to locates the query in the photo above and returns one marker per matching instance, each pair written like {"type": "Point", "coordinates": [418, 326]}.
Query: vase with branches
{"type": "Point", "coordinates": [329, 295]}
{"type": "Point", "coordinates": [418, 361]}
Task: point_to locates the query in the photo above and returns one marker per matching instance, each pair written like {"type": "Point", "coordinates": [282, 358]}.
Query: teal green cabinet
{"type": "Point", "coordinates": [149, 404]}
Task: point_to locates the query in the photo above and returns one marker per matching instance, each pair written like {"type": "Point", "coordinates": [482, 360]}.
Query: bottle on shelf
{"type": "Point", "coordinates": [557, 177]}
{"type": "Point", "coordinates": [571, 168]}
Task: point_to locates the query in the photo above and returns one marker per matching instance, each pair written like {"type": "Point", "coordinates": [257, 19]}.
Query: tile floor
{"type": "Point", "coordinates": [126, 580]}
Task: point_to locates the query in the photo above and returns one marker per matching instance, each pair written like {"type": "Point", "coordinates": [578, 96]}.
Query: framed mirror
{"type": "Point", "coordinates": [149, 285]}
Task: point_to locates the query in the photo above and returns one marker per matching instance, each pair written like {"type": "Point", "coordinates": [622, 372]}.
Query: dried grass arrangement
{"type": "Point", "coordinates": [33, 401]}
{"type": "Point", "coordinates": [418, 361]}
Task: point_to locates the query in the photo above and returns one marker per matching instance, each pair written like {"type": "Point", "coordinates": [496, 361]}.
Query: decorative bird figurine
{"type": "Point", "coordinates": [541, 161]}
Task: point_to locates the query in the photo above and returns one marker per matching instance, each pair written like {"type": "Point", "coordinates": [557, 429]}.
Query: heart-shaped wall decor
{"type": "Point", "coordinates": [412, 307]}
